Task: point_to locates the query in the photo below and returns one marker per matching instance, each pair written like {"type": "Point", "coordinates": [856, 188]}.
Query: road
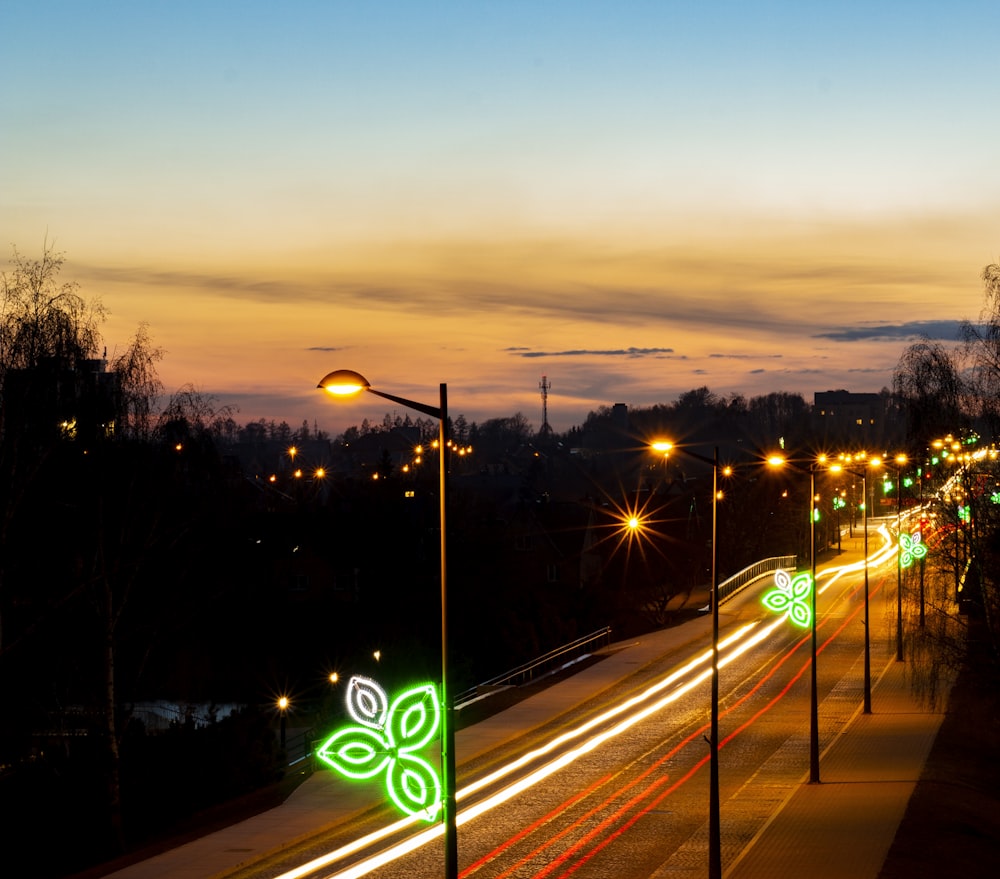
{"type": "Point", "coordinates": [620, 787]}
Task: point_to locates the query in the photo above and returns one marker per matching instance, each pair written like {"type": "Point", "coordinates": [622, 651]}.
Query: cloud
{"type": "Point", "coordinates": [946, 330]}
{"type": "Point", "coordinates": [746, 356]}
{"type": "Point", "coordinates": [591, 352]}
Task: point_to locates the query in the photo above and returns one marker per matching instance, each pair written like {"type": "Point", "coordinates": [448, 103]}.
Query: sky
{"type": "Point", "coordinates": [633, 198]}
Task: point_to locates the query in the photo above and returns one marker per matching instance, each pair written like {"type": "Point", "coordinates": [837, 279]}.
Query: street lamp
{"type": "Point", "coordinates": [868, 659]}
{"type": "Point", "coordinates": [714, 820]}
{"type": "Point", "coordinates": [345, 382]}
{"type": "Point", "coordinates": [779, 461]}
{"type": "Point", "coordinates": [283, 711]}
{"type": "Point", "coordinates": [900, 460]}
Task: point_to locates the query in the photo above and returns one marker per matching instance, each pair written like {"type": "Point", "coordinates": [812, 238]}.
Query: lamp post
{"type": "Point", "coordinates": [813, 688]}
{"type": "Point", "coordinates": [779, 461]}
{"type": "Point", "coordinates": [900, 460]}
{"type": "Point", "coordinates": [868, 658]}
{"type": "Point", "coordinates": [714, 820]}
{"type": "Point", "coordinates": [345, 382]}
{"type": "Point", "coordinates": [283, 711]}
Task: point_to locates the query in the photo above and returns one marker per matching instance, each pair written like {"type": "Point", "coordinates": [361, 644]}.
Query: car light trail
{"type": "Point", "coordinates": [749, 637]}
{"type": "Point", "coordinates": [564, 857]}
{"type": "Point", "coordinates": [739, 642]}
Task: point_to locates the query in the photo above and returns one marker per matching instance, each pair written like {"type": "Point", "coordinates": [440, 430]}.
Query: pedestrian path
{"type": "Point", "coordinates": [844, 826]}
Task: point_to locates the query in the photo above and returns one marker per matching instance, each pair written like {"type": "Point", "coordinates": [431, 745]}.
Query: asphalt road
{"type": "Point", "coordinates": [629, 797]}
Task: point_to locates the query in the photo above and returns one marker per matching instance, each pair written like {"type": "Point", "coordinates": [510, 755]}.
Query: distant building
{"type": "Point", "coordinates": [81, 402]}
{"type": "Point", "coordinates": [854, 421]}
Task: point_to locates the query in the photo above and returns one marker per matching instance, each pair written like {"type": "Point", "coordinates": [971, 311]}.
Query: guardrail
{"type": "Point", "coordinates": [528, 670]}
{"type": "Point", "coordinates": [299, 746]}
{"type": "Point", "coordinates": [729, 587]}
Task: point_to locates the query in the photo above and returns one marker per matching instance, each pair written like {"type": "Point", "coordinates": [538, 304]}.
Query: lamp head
{"type": "Point", "coordinates": [343, 383]}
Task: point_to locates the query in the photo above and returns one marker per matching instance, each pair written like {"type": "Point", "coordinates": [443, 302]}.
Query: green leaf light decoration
{"type": "Point", "coordinates": [791, 597]}
{"type": "Point", "coordinates": [386, 740]}
{"type": "Point", "coordinates": [911, 548]}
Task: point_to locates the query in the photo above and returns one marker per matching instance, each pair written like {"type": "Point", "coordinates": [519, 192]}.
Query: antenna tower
{"type": "Point", "coordinates": [544, 386]}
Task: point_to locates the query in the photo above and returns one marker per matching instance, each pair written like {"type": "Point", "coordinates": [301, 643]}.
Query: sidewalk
{"type": "Point", "coordinates": [842, 827]}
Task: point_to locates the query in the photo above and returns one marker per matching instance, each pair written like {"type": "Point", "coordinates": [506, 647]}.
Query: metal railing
{"type": "Point", "coordinates": [542, 664]}
{"type": "Point", "coordinates": [729, 587]}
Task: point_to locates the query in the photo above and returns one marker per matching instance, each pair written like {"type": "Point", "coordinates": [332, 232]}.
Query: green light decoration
{"type": "Point", "coordinates": [911, 549]}
{"type": "Point", "coordinates": [964, 513]}
{"type": "Point", "coordinates": [995, 497]}
{"type": "Point", "coordinates": [386, 739]}
{"type": "Point", "coordinates": [791, 597]}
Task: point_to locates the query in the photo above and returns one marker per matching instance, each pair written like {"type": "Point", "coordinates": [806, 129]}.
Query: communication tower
{"type": "Point", "coordinates": [544, 386]}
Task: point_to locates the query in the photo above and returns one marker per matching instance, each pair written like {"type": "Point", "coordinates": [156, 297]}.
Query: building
{"type": "Point", "coordinates": [854, 421]}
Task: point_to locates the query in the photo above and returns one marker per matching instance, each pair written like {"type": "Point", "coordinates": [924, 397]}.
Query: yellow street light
{"type": "Point", "coordinates": [863, 473]}
{"type": "Point", "coordinates": [714, 817]}
{"type": "Point", "coordinates": [780, 461]}
{"type": "Point", "coordinates": [897, 465]}
{"type": "Point", "coordinates": [283, 704]}
{"type": "Point", "coordinates": [346, 383]}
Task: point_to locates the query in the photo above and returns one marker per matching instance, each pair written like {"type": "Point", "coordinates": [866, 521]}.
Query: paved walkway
{"type": "Point", "coordinates": [840, 828]}
{"type": "Point", "coordinates": [843, 827]}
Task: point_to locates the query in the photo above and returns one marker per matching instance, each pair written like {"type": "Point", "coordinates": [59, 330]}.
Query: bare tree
{"type": "Point", "coordinates": [139, 384]}
{"type": "Point", "coordinates": [929, 387]}
{"type": "Point", "coordinates": [53, 377]}
{"type": "Point", "coordinates": [982, 342]}
{"type": "Point", "coordinates": [42, 319]}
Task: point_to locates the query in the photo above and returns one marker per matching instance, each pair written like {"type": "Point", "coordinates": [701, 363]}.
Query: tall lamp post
{"type": "Point", "coordinates": [714, 819]}
{"type": "Point", "coordinates": [900, 460]}
{"type": "Point", "coordinates": [779, 461]}
{"type": "Point", "coordinates": [868, 659]}
{"type": "Point", "coordinates": [345, 382]}
{"type": "Point", "coordinates": [283, 709]}
{"type": "Point", "coordinates": [813, 687]}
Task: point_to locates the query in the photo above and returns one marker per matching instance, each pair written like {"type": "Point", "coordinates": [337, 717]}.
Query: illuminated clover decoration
{"type": "Point", "coordinates": [386, 739]}
{"type": "Point", "coordinates": [791, 597]}
{"type": "Point", "coordinates": [910, 549]}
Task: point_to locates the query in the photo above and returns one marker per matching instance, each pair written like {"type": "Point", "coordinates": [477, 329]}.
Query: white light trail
{"type": "Point", "coordinates": [412, 843]}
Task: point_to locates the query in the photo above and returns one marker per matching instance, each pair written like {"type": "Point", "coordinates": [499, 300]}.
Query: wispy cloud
{"type": "Point", "coordinates": [944, 330]}
{"type": "Point", "coordinates": [592, 352]}
{"type": "Point", "coordinates": [746, 356]}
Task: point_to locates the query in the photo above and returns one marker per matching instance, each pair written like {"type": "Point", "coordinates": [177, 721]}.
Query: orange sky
{"type": "Point", "coordinates": [634, 200]}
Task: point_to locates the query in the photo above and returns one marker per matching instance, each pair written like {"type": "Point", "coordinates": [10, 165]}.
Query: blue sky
{"type": "Point", "coordinates": [633, 198]}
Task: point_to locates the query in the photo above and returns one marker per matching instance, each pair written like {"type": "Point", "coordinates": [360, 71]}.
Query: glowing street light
{"type": "Point", "coordinates": [863, 473]}
{"type": "Point", "coordinates": [346, 383]}
{"type": "Point", "coordinates": [779, 461]}
{"type": "Point", "coordinates": [714, 817]}
{"type": "Point", "coordinates": [283, 704]}
{"type": "Point", "coordinates": [899, 461]}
